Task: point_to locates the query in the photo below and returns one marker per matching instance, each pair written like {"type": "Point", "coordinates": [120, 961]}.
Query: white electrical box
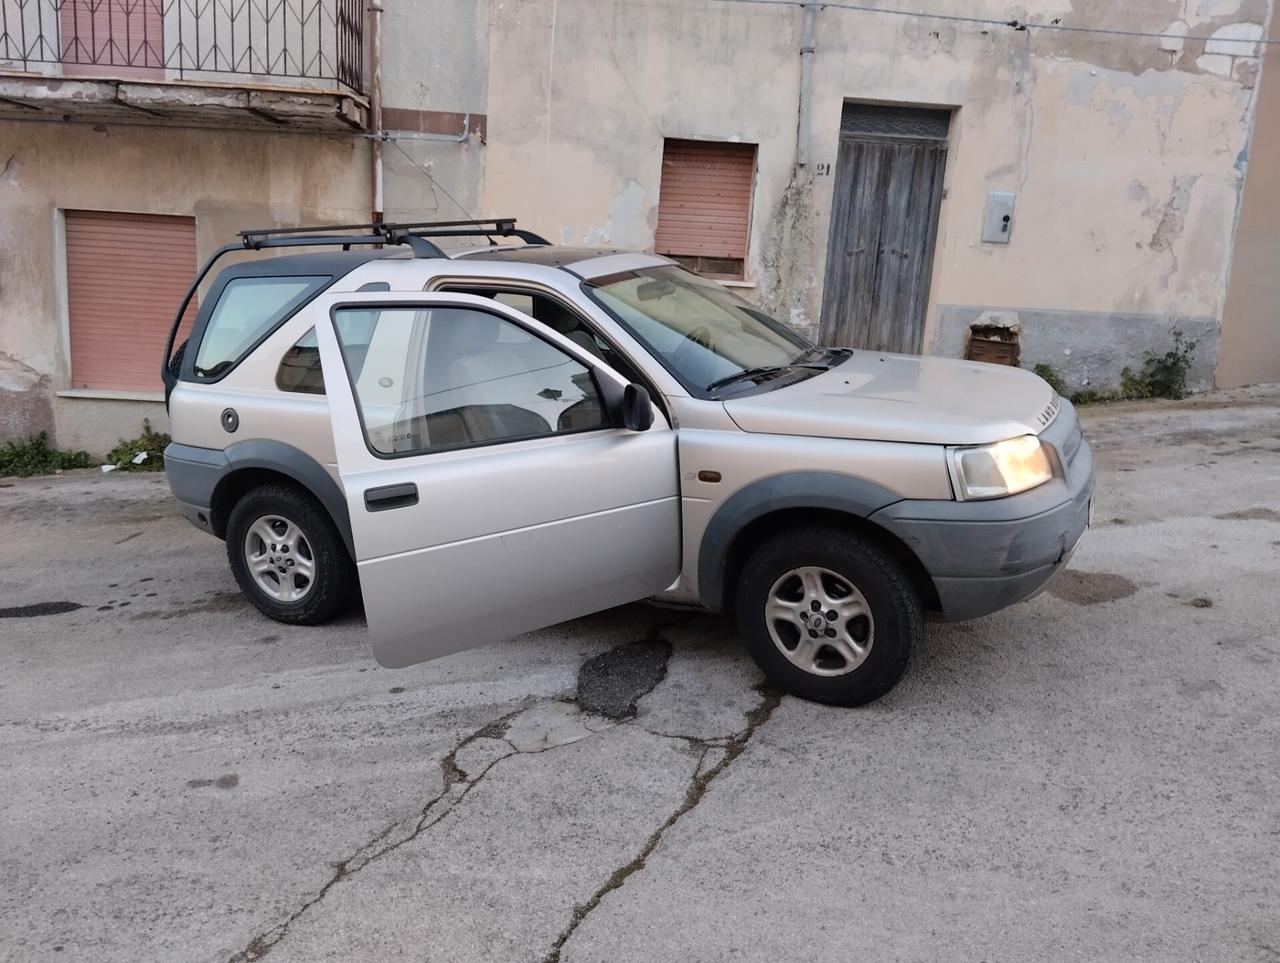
{"type": "Point", "coordinates": [998, 224]}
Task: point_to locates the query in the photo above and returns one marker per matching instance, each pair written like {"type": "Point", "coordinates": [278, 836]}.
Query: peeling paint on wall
{"type": "Point", "coordinates": [1173, 214]}
{"type": "Point", "coordinates": [11, 169]}
{"type": "Point", "coordinates": [1202, 11]}
{"type": "Point", "coordinates": [630, 220]}
{"type": "Point", "coordinates": [26, 401]}
{"type": "Point", "coordinates": [790, 280]}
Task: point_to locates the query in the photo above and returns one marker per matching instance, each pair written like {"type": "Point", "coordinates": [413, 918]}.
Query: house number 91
{"type": "Point", "coordinates": [822, 170]}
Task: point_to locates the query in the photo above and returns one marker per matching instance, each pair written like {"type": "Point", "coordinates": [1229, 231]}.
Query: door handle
{"type": "Point", "coordinates": [387, 497]}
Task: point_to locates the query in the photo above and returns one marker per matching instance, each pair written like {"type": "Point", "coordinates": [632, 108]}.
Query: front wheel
{"type": "Point", "coordinates": [288, 557]}
{"type": "Point", "coordinates": [828, 615]}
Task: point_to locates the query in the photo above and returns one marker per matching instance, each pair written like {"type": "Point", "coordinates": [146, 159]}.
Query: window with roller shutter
{"type": "Point", "coordinates": [704, 205]}
{"type": "Point", "coordinates": [126, 275]}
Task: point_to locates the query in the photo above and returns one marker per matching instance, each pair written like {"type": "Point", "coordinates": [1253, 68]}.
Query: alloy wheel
{"type": "Point", "coordinates": [279, 558]}
{"type": "Point", "coordinates": [819, 621]}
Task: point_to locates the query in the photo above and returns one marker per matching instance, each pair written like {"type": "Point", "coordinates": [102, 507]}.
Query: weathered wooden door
{"type": "Point", "coordinates": [884, 222]}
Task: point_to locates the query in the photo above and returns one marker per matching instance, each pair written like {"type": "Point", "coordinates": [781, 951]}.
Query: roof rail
{"type": "Point", "coordinates": [412, 234]}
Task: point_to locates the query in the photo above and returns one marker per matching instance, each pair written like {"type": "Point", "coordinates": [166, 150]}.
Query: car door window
{"type": "Point", "coordinates": [559, 318]}
{"type": "Point", "coordinates": [434, 379]}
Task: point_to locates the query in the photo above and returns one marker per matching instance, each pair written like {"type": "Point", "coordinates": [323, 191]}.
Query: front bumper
{"type": "Point", "coordinates": [986, 555]}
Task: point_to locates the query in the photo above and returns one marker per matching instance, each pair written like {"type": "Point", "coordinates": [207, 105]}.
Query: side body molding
{"type": "Point", "coordinates": [198, 476]}
{"type": "Point", "coordinates": [808, 489]}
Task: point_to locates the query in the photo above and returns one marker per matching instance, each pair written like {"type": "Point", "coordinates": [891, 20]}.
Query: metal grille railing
{"type": "Point", "coordinates": [298, 41]}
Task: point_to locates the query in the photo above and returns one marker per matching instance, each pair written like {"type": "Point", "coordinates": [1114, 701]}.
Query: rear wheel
{"type": "Point", "coordinates": [828, 615]}
{"type": "Point", "coordinates": [288, 557]}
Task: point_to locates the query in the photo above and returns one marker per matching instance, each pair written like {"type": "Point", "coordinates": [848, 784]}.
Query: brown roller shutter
{"type": "Point", "coordinates": [126, 276]}
{"type": "Point", "coordinates": [704, 204]}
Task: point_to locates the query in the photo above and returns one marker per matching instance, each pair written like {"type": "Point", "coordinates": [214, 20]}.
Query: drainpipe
{"type": "Point", "coordinates": [805, 126]}
{"type": "Point", "coordinates": [375, 104]}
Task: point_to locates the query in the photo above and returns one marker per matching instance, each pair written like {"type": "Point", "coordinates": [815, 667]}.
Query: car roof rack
{"type": "Point", "coordinates": [414, 235]}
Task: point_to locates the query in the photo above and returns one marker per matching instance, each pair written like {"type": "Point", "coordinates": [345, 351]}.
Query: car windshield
{"type": "Point", "coordinates": [703, 333]}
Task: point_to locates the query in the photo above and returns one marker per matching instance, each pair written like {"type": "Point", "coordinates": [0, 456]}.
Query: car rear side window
{"type": "Point", "coordinates": [300, 367]}
{"type": "Point", "coordinates": [247, 310]}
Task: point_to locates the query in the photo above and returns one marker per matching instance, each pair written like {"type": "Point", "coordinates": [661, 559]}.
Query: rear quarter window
{"type": "Point", "coordinates": [247, 310]}
{"type": "Point", "coordinates": [299, 369]}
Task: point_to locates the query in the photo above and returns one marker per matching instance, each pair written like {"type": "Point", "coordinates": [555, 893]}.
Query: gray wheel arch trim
{"type": "Point", "coordinates": [196, 476]}
{"type": "Point", "coordinates": [810, 489]}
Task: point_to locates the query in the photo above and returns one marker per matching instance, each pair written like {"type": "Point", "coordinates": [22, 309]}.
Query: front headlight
{"type": "Point", "coordinates": [1005, 468]}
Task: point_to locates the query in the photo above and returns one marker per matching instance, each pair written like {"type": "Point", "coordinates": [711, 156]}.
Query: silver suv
{"type": "Point", "coordinates": [500, 438]}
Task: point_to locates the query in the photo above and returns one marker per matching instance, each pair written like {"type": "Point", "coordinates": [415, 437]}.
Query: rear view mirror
{"type": "Point", "coordinates": [653, 289]}
{"type": "Point", "coordinates": [637, 408]}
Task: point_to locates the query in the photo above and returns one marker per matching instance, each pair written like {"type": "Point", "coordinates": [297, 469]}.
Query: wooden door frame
{"type": "Point", "coordinates": [828, 325]}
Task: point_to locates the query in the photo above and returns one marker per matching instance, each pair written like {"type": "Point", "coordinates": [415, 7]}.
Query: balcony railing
{"type": "Point", "coordinates": [297, 43]}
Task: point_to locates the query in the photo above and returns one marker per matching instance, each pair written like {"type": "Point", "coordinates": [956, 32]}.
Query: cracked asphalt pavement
{"type": "Point", "coordinates": [1094, 774]}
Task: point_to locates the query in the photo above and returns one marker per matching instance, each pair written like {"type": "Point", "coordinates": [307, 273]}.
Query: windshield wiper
{"type": "Point", "coordinates": [746, 375]}
{"type": "Point", "coordinates": [822, 357]}
{"type": "Point", "coordinates": [750, 373]}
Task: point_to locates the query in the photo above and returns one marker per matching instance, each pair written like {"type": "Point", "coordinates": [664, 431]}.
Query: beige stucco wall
{"type": "Point", "coordinates": [1123, 151]}
{"type": "Point", "coordinates": [1251, 322]}
{"type": "Point", "coordinates": [228, 180]}
{"type": "Point", "coordinates": [435, 58]}
{"type": "Point", "coordinates": [1126, 155]}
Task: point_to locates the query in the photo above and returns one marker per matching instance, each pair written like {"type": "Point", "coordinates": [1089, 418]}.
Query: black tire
{"type": "Point", "coordinates": [335, 578]}
{"type": "Point", "coordinates": [894, 627]}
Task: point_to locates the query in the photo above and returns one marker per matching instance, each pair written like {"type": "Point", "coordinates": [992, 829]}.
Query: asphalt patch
{"type": "Point", "coordinates": [1251, 515]}
{"type": "Point", "coordinates": [610, 684]}
{"type": "Point", "coordinates": [40, 608]}
{"type": "Point", "coordinates": [229, 781]}
{"type": "Point", "coordinates": [1090, 588]}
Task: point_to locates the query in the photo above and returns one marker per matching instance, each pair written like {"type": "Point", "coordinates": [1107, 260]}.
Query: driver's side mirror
{"type": "Point", "coordinates": [637, 408]}
{"type": "Point", "coordinates": [629, 407]}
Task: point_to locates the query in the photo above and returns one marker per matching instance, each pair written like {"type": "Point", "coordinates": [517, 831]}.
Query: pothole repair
{"type": "Point", "coordinates": [1090, 588]}
{"type": "Point", "coordinates": [611, 683]}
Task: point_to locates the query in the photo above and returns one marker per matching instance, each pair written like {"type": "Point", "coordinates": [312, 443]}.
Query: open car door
{"type": "Point", "coordinates": [491, 484]}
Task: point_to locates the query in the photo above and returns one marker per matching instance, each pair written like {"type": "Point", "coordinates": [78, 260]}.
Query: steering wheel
{"type": "Point", "coordinates": [695, 355]}
{"type": "Point", "coordinates": [701, 335]}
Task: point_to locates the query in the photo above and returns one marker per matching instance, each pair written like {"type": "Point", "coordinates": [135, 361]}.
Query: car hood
{"type": "Point", "coordinates": [907, 398]}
